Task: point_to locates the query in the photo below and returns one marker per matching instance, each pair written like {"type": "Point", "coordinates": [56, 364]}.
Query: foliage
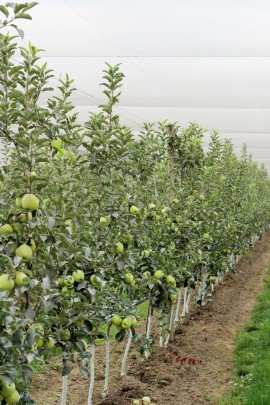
{"type": "Point", "coordinates": [119, 211]}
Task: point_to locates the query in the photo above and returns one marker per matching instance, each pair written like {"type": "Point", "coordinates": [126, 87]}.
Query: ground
{"type": "Point", "coordinates": [207, 336]}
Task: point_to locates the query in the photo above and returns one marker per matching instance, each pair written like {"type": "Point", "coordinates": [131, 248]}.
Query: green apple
{"type": "Point", "coordinates": [39, 342]}
{"type": "Point", "coordinates": [65, 335]}
{"type": "Point", "coordinates": [7, 388]}
{"type": "Point", "coordinates": [16, 226]}
{"type": "Point", "coordinates": [29, 273]}
{"type": "Point", "coordinates": [146, 401]}
{"type": "Point", "coordinates": [173, 227]}
{"type": "Point", "coordinates": [170, 280]}
{"type": "Point", "coordinates": [213, 279]}
{"type": "Point", "coordinates": [147, 273]}
{"type": "Point", "coordinates": [158, 274]}
{"type": "Point", "coordinates": [32, 174]}
{"type": "Point", "coordinates": [126, 323]}
{"type": "Point", "coordinates": [37, 327]}
{"type": "Point", "coordinates": [66, 154]}
{"type": "Point", "coordinates": [151, 206]}
{"type": "Point", "coordinates": [176, 219]}
{"type": "Point", "coordinates": [25, 252]}
{"type": "Point", "coordinates": [157, 217]}
{"type": "Point", "coordinates": [26, 217]}
{"type": "Point", "coordinates": [117, 320]}
{"type": "Point", "coordinates": [94, 280]}
{"type": "Point", "coordinates": [176, 201]}
{"type": "Point", "coordinates": [201, 197]}
{"type": "Point", "coordinates": [173, 298]}
{"type": "Point", "coordinates": [14, 398]}
{"type": "Point", "coordinates": [66, 291]}
{"type": "Point", "coordinates": [34, 346]}
{"type": "Point", "coordinates": [69, 222]}
{"type": "Point", "coordinates": [49, 343]}
{"type": "Point", "coordinates": [104, 221]}
{"type": "Point", "coordinates": [69, 281]}
{"type": "Point", "coordinates": [164, 209]}
{"type": "Point", "coordinates": [21, 279]}
{"type": "Point", "coordinates": [206, 236]}
{"type": "Point", "coordinates": [129, 278]}
{"type": "Point", "coordinates": [18, 202]}
{"type": "Point", "coordinates": [133, 321]}
{"type": "Point", "coordinates": [30, 202]}
{"type": "Point", "coordinates": [136, 402]}
{"type": "Point", "coordinates": [146, 253]}
{"type": "Point", "coordinates": [6, 283]}
{"type": "Point", "coordinates": [56, 143]}
{"type": "Point", "coordinates": [6, 229]}
{"type": "Point", "coordinates": [33, 245]}
{"type": "Point", "coordinates": [62, 281]}
{"type": "Point", "coordinates": [78, 276]}
{"type": "Point", "coordinates": [134, 210]}
{"type": "Point", "coordinates": [69, 154]}
{"type": "Point", "coordinates": [128, 239]}
{"type": "Point", "coordinates": [119, 247]}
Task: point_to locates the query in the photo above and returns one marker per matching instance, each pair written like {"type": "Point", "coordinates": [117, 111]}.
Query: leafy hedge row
{"type": "Point", "coordinates": [120, 220]}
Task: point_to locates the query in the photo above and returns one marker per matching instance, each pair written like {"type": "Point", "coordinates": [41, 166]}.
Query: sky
{"type": "Point", "coordinates": [184, 60]}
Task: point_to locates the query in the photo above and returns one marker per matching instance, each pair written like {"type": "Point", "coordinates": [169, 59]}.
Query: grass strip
{"type": "Point", "coordinates": [252, 357]}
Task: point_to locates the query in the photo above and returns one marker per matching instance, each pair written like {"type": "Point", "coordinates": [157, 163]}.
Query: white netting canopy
{"type": "Point", "coordinates": [198, 60]}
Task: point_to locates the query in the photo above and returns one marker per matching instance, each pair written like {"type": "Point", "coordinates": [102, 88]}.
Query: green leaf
{"type": "Point", "coordinates": [67, 369]}
{"type": "Point", "coordinates": [120, 335]}
{"type": "Point", "coordinates": [24, 16]}
{"type": "Point", "coordinates": [4, 10]}
{"type": "Point", "coordinates": [100, 336]}
{"type": "Point", "coordinates": [17, 337]}
{"type": "Point", "coordinates": [18, 8]}
{"type": "Point", "coordinates": [88, 325]}
{"type": "Point", "coordinates": [51, 222]}
{"type": "Point", "coordinates": [30, 337]}
{"type": "Point", "coordinates": [85, 372]}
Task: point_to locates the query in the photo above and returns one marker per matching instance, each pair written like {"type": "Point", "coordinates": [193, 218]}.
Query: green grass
{"type": "Point", "coordinates": [252, 357]}
{"type": "Point", "coordinates": [40, 367]}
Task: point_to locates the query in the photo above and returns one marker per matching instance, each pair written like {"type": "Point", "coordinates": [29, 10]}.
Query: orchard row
{"type": "Point", "coordinates": [95, 221]}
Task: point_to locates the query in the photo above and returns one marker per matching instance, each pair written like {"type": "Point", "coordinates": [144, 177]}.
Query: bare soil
{"type": "Point", "coordinates": [206, 337]}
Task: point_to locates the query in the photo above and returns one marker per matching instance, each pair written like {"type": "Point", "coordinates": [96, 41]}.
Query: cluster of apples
{"type": "Point", "coordinates": [169, 279]}
{"type": "Point", "coordinates": [41, 341]}
{"type": "Point", "coordinates": [9, 392]}
{"type": "Point", "coordinates": [61, 152]}
{"type": "Point", "coordinates": [124, 323]}
{"type": "Point", "coordinates": [68, 281]}
{"type": "Point", "coordinates": [28, 202]}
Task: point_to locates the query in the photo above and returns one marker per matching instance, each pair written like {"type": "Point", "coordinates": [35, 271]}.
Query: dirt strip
{"type": "Point", "coordinates": [206, 338]}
